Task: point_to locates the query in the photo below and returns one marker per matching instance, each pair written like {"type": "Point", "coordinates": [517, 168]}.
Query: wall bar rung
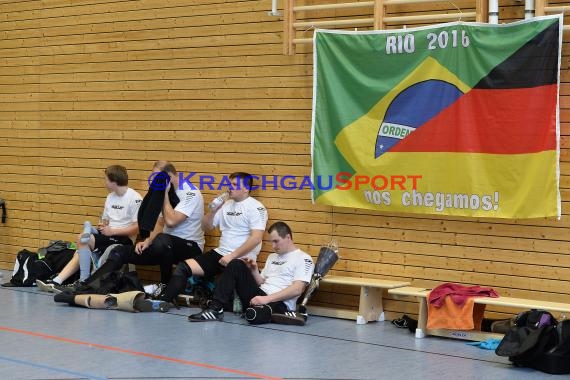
{"type": "Point", "coordinates": [303, 41]}
{"type": "Point", "coordinates": [554, 9]}
{"type": "Point", "coordinates": [432, 17]}
{"type": "Point", "coordinates": [346, 22]}
{"type": "Point", "coordinates": [322, 7]}
{"type": "Point", "coordinates": [405, 2]}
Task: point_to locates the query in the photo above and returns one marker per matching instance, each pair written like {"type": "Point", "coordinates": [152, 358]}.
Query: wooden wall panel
{"type": "Point", "coordinates": [89, 83]}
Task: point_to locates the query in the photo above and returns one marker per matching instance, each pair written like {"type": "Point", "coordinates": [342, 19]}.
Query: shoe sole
{"type": "Point", "coordinates": [283, 319]}
{"type": "Point", "coordinates": [148, 306]}
{"type": "Point", "coordinates": [204, 320]}
{"type": "Point", "coordinates": [46, 287]}
{"type": "Point", "coordinates": [190, 319]}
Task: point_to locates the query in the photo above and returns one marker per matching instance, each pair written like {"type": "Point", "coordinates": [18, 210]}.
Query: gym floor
{"type": "Point", "coordinates": [41, 339]}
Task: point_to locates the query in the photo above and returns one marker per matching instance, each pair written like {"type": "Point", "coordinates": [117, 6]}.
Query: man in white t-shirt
{"type": "Point", "coordinates": [272, 293]}
{"type": "Point", "coordinates": [119, 227]}
{"type": "Point", "coordinates": [177, 235]}
{"type": "Point", "coordinates": [241, 220]}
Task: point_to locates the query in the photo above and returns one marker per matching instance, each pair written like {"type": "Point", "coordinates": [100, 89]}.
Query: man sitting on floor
{"type": "Point", "coordinates": [118, 225]}
{"type": "Point", "coordinates": [272, 293]}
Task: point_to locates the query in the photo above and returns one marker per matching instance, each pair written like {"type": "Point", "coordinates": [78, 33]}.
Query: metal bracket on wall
{"type": "Point", "coordinates": [3, 205]}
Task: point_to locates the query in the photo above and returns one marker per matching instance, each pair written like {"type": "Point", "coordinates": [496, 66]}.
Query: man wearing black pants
{"type": "Point", "coordinates": [272, 293]}
{"type": "Point", "coordinates": [177, 235]}
{"type": "Point", "coordinates": [241, 220]}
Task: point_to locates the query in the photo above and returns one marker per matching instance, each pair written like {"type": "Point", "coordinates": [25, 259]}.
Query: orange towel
{"type": "Point", "coordinates": [452, 316]}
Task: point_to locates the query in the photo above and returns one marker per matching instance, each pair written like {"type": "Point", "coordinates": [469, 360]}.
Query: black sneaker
{"type": "Point", "coordinates": [406, 323]}
{"type": "Point", "coordinates": [82, 287]}
{"type": "Point", "coordinates": [65, 297]}
{"type": "Point", "coordinates": [401, 323]}
{"type": "Point", "coordinates": [289, 318]}
{"type": "Point", "coordinates": [76, 287]}
{"type": "Point", "coordinates": [207, 315]}
{"type": "Point", "coordinates": [145, 305]}
{"type": "Point", "coordinates": [69, 288]}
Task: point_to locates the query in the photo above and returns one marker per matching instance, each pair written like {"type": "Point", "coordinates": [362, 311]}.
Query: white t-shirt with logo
{"type": "Point", "coordinates": [121, 210]}
{"type": "Point", "coordinates": [236, 220]}
{"type": "Point", "coordinates": [192, 205]}
{"type": "Point", "coordinates": [281, 270]}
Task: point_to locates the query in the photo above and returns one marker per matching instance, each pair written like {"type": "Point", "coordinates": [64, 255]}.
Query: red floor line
{"type": "Point", "coordinates": [137, 353]}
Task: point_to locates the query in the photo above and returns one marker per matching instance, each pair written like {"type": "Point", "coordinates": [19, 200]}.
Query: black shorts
{"type": "Point", "coordinates": [209, 262]}
{"type": "Point", "coordinates": [102, 242]}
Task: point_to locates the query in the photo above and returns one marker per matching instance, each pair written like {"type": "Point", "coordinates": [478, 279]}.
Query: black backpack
{"type": "Point", "coordinates": [31, 266]}
{"type": "Point", "coordinates": [538, 341]}
{"type": "Point", "coordinates": [555, 358]}
{"type": "Point", "coordinates": [57, 254]}
{"type": "Point", "coordinates": [28, 268]}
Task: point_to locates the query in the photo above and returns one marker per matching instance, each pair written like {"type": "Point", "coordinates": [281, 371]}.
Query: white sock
{"type": "Point", "coordinates": [58, 280]}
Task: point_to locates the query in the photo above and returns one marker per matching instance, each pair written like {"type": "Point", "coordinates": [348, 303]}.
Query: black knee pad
{"type": "Point", "coordinates": [162, 244]}
{"type": "Point", "coordinates": [182, 270]}
{"type": "Point", "coordinates": [177, 282]}
{"type": "Point", "coordinates": [258, 315]}
{"type": "Point", "coordinates": [117, 254]}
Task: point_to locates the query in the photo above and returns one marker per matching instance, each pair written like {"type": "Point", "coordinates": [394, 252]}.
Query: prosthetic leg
{"type": "Point", "coordinates": [328, 256]}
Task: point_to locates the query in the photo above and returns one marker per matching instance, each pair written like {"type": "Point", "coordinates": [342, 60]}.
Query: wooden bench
{"type": "Point", "coordinates": [422, 294]}
{"type": "Point", "coordinates": [370, 304]}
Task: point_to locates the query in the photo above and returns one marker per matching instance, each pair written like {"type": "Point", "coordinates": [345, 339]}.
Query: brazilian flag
{"type": "Point", "coordinates": [451, 119]}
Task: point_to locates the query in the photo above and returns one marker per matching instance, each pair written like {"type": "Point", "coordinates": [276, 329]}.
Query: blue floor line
{"type": "Point", "coordinates": [61, 370]}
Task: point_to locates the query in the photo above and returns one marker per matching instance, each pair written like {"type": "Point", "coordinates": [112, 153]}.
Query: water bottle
{"type": "Point", "coordinates": [85, 236]}
{"type": "Point", "coordinates": [237, 306]}
{"type": "Point", "coordinates": [218, 201]}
